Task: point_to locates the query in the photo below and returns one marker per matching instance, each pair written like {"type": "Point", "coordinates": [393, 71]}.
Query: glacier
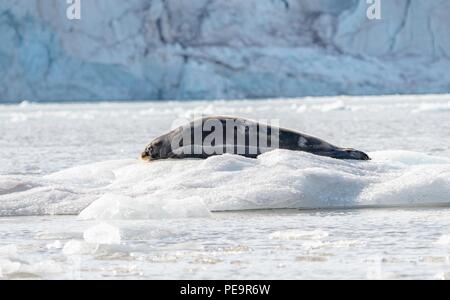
{"type": "Point", "coordinates": [217, 49]}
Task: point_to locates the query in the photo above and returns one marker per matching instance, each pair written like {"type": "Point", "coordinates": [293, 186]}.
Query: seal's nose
{"type": "Point", "coordinates": [358, 155]}
{"type": "Point", "coordinates": [144, 155]}
{"type": "Point", "coordinates": [349, 153]}
{"type": "Point", "coordinates": [365, 156]}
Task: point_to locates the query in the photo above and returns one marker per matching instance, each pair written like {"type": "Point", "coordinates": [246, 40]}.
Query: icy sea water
{"type": "Point", "coordinates": [76, 203]}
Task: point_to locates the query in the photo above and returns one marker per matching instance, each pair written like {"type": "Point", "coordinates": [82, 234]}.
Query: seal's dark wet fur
{"type": "Point", "coordinates": [161, 147]}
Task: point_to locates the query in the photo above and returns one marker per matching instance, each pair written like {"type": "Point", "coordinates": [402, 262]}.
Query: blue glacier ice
{"type": "Point", "coordinates": [221, 49]}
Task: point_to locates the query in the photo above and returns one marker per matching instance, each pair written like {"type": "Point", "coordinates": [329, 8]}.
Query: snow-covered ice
{"type": "Point", "coordinates": [77, 203]}
{"type": "Point", "coordinates": [279, 179]}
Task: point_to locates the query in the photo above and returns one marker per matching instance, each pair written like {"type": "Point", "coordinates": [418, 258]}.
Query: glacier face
{"type": "Point", "coordinates": [214, 49]}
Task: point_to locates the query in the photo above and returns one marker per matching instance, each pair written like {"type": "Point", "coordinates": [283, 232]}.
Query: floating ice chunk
{"type": "Point", "coordinates": [8, 267]}
{"type": "Point", "coordinates": [14, 185]}
{"type": "Point", "coordinates": [102, 234]}
{"type": "Point", "coordinates": [45, 200]}
{"type": "Point", "coordinates": [54, 245]}
{"type": "Point", "coordinates": [72, 247]}
{"type": "Point", "coordinates": [24, 104]}
{"type": "Point", "coordinates": [338, 105]}
{"type": "Point", "coordinates": [75, 247]}
{"type": "Point", "coordinates": [42, 268]}
{"type": "Point", "coordinates": [97, 174]}
{"type": "Point", "coordinates": [301, 109]}
{"type": "Point", "coordinates": [18, 117]}
{"type": "Point", "coordinates": [432, 107]}
{"type": "Point", "coordinates": [444, 240]}
{"type": "Point", "coordinates": [419, 185]}
{"type": "Point", "coordinates": [111, 207]}
{"type": "Point", "coordinates": [193, 188]}
{"type": "Point", "coordinates": [298, 235]}
{"type": "Point", "coordinates": [8, 251]}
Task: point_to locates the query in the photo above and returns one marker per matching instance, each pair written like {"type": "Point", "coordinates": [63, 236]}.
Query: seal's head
{"type": "Point", "coordinates": [349, 153]}
{"type": "Point", "coordinates": [154, 151]}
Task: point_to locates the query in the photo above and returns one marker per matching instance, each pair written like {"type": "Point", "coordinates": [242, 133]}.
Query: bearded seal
{"type": "Point", "coordinates": [217, 135]}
